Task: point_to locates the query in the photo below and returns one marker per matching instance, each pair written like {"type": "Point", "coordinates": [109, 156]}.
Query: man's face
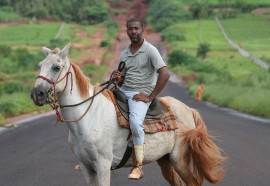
{"type": "Point", "coordinates": [134, 31]}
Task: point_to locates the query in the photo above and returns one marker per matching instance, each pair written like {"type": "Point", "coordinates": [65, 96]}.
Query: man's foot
{"type": "Point", "coordinates": [136, 173]}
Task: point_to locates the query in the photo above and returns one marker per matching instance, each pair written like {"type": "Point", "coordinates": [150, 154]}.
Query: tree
{"type": "Point", "coordinates": [203, 49]}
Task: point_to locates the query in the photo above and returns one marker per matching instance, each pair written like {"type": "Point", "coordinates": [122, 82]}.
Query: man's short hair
{"type": "Point", "coordinates": [135, 20]}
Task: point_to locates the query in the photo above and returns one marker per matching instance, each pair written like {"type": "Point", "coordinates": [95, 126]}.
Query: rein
{"type": "Point", "coordinates": [53, 102]}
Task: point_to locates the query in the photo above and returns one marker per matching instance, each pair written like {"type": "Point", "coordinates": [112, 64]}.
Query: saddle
{"type": "Point", "coordinates": [159, 117]}
{"type": "Point", "coordinates": [155, 110]}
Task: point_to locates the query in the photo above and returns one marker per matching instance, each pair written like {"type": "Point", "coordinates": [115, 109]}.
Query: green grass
{"type": "Point", "coordinates": [9, 16]}
{"type": "Point", "coordinates": [210, 33]}
{"type": "Point", "coordinates": [251, 31]}
{"type": "Point", "coordinates": [29, 34]}
{"type": "Point", "coordinates": [229, 79]}
{"type": "Point", "coordinates": [16, 104]}
{"type": "Point", "coordinates": [33, 37]}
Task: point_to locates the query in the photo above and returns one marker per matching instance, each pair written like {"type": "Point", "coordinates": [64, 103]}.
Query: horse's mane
{"type": "Point", "coordinates": [82, 81]}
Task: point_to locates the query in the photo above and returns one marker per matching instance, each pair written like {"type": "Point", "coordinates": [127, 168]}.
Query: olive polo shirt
{"type": "Point", "coordinates": [141, 68]}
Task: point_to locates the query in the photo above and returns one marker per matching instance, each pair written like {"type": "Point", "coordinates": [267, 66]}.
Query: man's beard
{"type": "Point", "coordinates": [135, 38]}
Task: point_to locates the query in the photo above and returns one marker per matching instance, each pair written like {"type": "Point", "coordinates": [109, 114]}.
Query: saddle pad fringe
{"type": "Point", "coordinates": [165, 123]}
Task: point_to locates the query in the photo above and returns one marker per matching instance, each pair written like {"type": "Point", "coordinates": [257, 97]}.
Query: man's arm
{"type": "Point", "coordinates": [161, 82]}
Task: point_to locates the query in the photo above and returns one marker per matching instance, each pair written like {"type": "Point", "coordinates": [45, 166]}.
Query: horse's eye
{"type": "Point", "coordinates": [56, 68]}
{"type": "Point", "coordinates": [38, 67]}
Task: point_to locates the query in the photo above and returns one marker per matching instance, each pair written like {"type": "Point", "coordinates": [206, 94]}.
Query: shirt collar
{"type": "Point", "coordinates": [141, 49]}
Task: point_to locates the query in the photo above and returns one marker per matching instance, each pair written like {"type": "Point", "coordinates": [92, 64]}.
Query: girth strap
{"type": "Point", "coordinates": [124, 159]}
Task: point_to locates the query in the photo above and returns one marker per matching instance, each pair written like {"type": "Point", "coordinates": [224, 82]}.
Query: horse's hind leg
{"type": "Point", "coordinates": [168, 171]}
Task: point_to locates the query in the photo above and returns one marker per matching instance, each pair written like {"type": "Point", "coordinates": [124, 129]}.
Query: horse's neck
{"type": "Point", "coordinates": [71, 94]}
{"type": "Point", "coordinates": [95, 107]}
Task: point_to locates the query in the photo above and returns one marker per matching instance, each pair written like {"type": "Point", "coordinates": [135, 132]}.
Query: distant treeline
{"type": "Point", "coordinates": [80, 11]}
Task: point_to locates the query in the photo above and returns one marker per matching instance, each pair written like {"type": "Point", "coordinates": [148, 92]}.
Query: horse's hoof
{"type": "Point", "coordinates": [78, 167]}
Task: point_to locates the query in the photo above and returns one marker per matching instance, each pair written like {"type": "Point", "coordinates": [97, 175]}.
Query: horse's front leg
{"type": "Point", "coordinates": [98, 173]}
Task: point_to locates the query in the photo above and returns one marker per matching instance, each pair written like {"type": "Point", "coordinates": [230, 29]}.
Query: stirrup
{"type": "Point", "coordinates": [133, 176]}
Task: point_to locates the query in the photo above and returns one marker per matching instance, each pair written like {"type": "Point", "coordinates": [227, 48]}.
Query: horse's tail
{"type": "Point", "coordinates": [201, 154]}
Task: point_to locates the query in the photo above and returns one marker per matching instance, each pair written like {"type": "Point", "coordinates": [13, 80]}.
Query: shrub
{"type": "Point", "coordinates": [203, 49]}
{"type": "Point", "coordinates": [12, 86]}
{"type": "Point", "coordinates": [168, 13]}
{"type": "Point", "coordinates": [5, 50]}
{"type": "Point", "coordinates": [93, 14]}
{"type": "Point", "coordinates": [7, 107]}
{"type": "Point", "coordinates": [1, 89]}
{"type": "Point", "coordinates": [178, 57]}
{"type": "Point", "coordinates": [173, 33]}
{"type": "Point", "coordinates": [7, 14]}
{"type": "Point", "coordinates": [24, 60]}
{"type": "Point", "coordinates": [200, 10]}
{"type": "Point", "coordinates": [104, 43]}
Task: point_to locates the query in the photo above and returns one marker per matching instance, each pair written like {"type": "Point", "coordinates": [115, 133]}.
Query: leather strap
{"type": "Point", "coordinates": [124, 159]}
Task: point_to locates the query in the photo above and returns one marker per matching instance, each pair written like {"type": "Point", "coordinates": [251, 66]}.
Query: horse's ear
{"type": "Point", "coordinates": [64, 52]}
{"type": "Point", "coordinates": [46, 50]}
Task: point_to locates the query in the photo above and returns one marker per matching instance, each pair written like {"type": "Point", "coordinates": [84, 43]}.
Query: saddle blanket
{"type": "Point", "coordinates": [166, 123]}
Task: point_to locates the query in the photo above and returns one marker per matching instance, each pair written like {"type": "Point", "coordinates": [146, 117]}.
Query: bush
{"type": "Point", "coordinates": [12, 86]}
{"type": "Point", "coordinates": [24, 60]}
{"type": "Point", "coordinates": [1, 89]}
{"type": "Point", "coordinates": [7, 107]}
{"type": "Point", "coordinates": [38, 13]}
{"type": "Point", "coordinates": [93, 14]}
{"type": "Point", "coordinates": [178, 57]}
{"type": "Point", "coordinates": [203, 49]}
{"type": "Point", "coordinates": [5, 51]}
{"type": "Point", "coordinates": [7, 14]}
{"type": "Point", "coordinates": [173, 33]}
{"type": "Point", "coordinates": [200, 10]}
{"type": "Point", "coordinates": [104, 43]}
{"type": "Point", "coordinates": [168, 13]}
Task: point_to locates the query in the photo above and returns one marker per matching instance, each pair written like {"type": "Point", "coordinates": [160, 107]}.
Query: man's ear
{"type": "Point", "coordinates": [46, 50]}
{"type": "Point", "coordinates": [64, 52]}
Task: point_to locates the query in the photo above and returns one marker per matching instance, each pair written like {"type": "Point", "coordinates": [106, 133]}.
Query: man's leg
{"type": "Point", "coordinates": [137, 112]}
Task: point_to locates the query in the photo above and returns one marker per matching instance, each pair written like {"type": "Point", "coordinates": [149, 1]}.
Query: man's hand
{"type": "Point", "coordinates": [116, 74]}
{"type": "Point", "coordinates": [142, 97]}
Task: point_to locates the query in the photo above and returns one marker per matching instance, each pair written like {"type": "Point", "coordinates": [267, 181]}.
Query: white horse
{"type": "Point", "coordinates": [186, 156]}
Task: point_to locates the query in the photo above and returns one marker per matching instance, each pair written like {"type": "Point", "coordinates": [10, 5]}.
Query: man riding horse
{"type": "Point", "coordinates": [144, 76]}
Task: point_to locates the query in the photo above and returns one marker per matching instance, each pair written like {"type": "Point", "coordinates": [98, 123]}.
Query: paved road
{"type": "Point", "coordinates": [36, 153]}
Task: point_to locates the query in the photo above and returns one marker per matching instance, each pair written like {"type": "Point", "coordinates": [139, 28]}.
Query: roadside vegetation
{"type": "Point", "coordinates": [199, 53]}
{"type": "Point", "coordinates": [25, 31]}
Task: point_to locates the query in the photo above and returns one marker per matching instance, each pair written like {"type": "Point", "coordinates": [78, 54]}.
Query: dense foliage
{"type": "Point", "coordinates": [162, 14]}
{"type": "Point", "coordinates": [83, 11]}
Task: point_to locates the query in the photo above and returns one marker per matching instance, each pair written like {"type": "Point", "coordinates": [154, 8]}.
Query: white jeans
{"type": "Point", "coordinates": [137, 112]}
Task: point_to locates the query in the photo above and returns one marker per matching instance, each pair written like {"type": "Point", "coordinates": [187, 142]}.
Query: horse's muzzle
{"type": "Point", "coordinates": [39, 96]}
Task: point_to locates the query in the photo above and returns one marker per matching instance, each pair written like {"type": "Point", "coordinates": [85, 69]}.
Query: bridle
{"type": "Point", "coordinates": [53, 101]}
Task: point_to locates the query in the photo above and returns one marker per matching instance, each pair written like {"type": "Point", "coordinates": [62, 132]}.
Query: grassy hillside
{"type": "Point", "coordinates": [251, 32]}
{"type": "Point", "coordinates": [20, 52]}
{"type": "Point", "coordinates": [229, 79]}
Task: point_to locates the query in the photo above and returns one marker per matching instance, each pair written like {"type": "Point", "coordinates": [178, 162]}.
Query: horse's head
{"type": "Point", "coordinates": [52, 72]}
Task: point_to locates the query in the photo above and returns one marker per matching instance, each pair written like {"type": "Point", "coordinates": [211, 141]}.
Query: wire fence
{"type": "Point", "coordinates": [242, 51]}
